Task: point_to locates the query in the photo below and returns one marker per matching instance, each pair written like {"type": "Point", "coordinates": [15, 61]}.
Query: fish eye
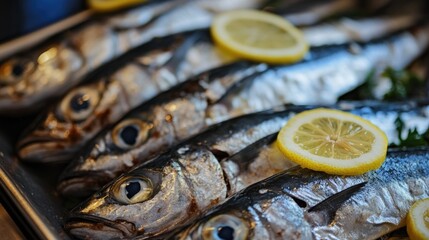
{"type": "Point", "coordinates": [17, 69]}
{"type": "Point", "coordinates": [132, 190]}
{"type": "Point", "coordinates": [80, 103]}
{"type": "Point", "coordinates": [12, 70]}
{"type": "Point", "coordinates": [131, 133]}
{"type": "Point", "coordinates": [225, 227]}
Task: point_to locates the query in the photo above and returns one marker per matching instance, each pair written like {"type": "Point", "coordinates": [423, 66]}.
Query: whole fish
{"type": "Point", "coordinates": [142, 74]}
{"type": "Point", "coordinates": [49, 70]}
{"type": "Point", "coordinates": [195, 104]}
{"type": "Point", "coordinates": [60, 133]}
{"type": "Point", "coordinates": [345, 30]}
{"type": "Point", "coordinates": [303, 204]}
{"type": "Point", "coordinates": [304, 14]}
{"type": "Point", "coordinates": [200, 173]}
{"type": "Point", "coordinates": [322, 10]}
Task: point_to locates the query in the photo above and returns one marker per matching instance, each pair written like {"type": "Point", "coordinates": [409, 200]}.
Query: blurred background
{"type": "Point", "coordinates": [19, 17]}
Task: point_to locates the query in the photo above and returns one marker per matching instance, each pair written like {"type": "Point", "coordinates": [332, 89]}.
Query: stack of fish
{"type": "Point", "coordinates": [145, 93]}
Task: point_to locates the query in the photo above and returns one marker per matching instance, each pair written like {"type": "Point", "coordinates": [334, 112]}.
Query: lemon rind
{"type": "Point", "coordinates": [276, 56]}
{"type": "Point", "coordinates": [416, 229]}
{"type": "Point", "coordinates": [364, 163]}
{"type": "Point", "coordinates": [104, 6]}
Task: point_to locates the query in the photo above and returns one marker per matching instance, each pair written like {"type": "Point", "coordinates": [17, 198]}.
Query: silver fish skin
{"type": "Point", "coordinates": [101, 101]}
{"type": "Point", "coordinates": [200, 173]}
{"type": "Point", "coordinates": [305, 14]}
{"type": "Point", "coordinates": [31, 78]}
{"type": "Point", "coordinates": [158, 128]}
{"type": "Point", "coordinates": [303, 204]}
{"type": "Point", "coordinates": [184, 181]}
{"type": "Point", "coordinates": [330, 77]}
{"type": "Point", "coordinates": [393, 18]}
{"type": "Point", "coordinates": [49, 70]}
{"type": "Point", "coordinates": [194, 105]}
{"type": "Point", "coordinates": [64, 130]}
{"type": "Point", "coordinates": [346, 29]}
{"type": "Point", "coordinates": [263, 159]}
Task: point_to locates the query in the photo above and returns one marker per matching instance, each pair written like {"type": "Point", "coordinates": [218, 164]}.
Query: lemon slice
{"type": "Point", "coordinates": [259, 36]}
{"type": "Point", "coordinates": [112, 5]}
{"type": "Point", "coordinates": [418, 220]}
{"type": "Point", "coordinates": [333, 141]}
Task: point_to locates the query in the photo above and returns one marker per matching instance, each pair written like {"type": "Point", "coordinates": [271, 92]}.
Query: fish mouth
{"type": "Point", "coordinates": [84, 226]}
{"type": "Point", "coordinates": [44, 149]}
{"type": "Point", "coordinates": [81, 183]}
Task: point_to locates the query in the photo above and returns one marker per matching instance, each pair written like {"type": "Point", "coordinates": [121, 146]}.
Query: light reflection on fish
{"type": "Point", "coordinates": [303, 204]}
{"type": "Point", "coordinates": [200, 173]}
{"type": "Point", "coordinates": [92, 106]}
{"type": "Point", "coordinates": [192, 106]}
{"type": "Point", "coordinates": [64, 129]}
{"type": "Point", "coordinates": [30, 78]}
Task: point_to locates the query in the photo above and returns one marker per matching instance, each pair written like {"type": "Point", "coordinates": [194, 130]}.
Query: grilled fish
{"type": "Point", "coordinates": [48, 70]}
{"type": "Point", "coordinates": [101, 101]}
{"type": "Point", "coordinates": [303, 204]}
{"type": "Point", "coordinates": [192, 106]}
{"type": "Point", "coordinates": [61, 132]}
{"type": "Point", "coordinates": [322, 10]}
{"type": "Point", "coordinates": [30, 78]}
{"type": "Point", "coordinates": [200, 173]}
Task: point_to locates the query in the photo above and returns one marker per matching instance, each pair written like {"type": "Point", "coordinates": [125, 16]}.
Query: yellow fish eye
{"type": "Point", "coordinates": [225, 226]}
{"type": "Point", "coordinates": [131, 133]}
{"type": "Point", "coordinates": [130, 190]}
{"type": "Point", "coordinates": [80, 103]}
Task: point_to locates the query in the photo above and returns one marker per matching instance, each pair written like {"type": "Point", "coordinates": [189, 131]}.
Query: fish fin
{"type": "Point", "coordinates": [330, 205]}
{"type": "Point", "coordinates": [173, 64]}
{"type": "Point", "coordinates": [241, 84]}
{"type": "Point", "coordinates": [244, 157]}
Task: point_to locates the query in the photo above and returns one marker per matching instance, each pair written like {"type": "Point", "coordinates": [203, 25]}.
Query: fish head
{"type": "Point", "coordinates": [101, 215]}
{"type": "Point", "coordinates": [60, 132]}
{"type": "Point", "coordinates": [16, 70]}
{"type": "Point", "coordinates": [261, 216]}
{"type": "Point", "coordinates": [154, 198]}
{"type": "Point", "coordinates": [133, 140]}
{"type": "Point", "coordinates": [28, 79]}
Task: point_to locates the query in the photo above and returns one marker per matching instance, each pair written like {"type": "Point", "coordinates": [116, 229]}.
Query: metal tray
{"type": "Point", "coordinates": [28, 193]}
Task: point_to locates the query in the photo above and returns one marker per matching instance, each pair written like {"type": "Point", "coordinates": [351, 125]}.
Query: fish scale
{"type": "Point", "coordinates": [138, 77]}
{"type": "Point", "coordinates": [241, 88]}
{"type": "Point", "coordinates": [92, 44]}
{"type": "Point", "coordinates": [142, 75]}
{"type": "Point", "coordinates": [361, 207]}
{"type": "Point", "coordinates": [205, 170]}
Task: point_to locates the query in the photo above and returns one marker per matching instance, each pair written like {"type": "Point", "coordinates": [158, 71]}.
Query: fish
{"type": "Point", "coordinates": [263, 158]}
{"type": "Point", "coordinates": [175, 171]}
{"type": "Point", "coordinates": [268, 89]}
{"type": "Point", "coordinates": [345, 29]}
{"type": "Point", "coordinates": [32, 77]}
{"type": "Point", "coordinates": [102, 100]}
{"type": "Point", "coordinates": [304, 204]}
{"type": "Point", "coordinates": [196, 104]}
{"type": "Point", "coordinates": [57, 136]}
{"type": "Point", "coordinates": [306, 14]}
{"type": "Point", "coordinates": [202, 172]}
{"type": "Point", "coordinates": [47, 70]}
{"type": "Point", "coordinates": [61, 132]}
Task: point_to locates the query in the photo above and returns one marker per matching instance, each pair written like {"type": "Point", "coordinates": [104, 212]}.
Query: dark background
{"type": "Point", "coordinates": [18, 17]}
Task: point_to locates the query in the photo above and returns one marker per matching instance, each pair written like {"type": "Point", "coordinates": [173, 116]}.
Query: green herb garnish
{"type": "Point", "coordinates": [413, 138]}
{"type": "Point", "coordinates": [403, 83]}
